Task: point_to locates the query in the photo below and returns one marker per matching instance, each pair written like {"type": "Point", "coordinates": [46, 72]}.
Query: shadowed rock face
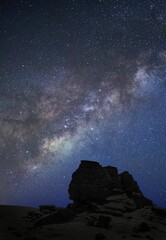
{"type": "Point", "coordinates": [129, 184]}
{"type": "Point", "coordinates": [93, 183]}
{"type": "Point", "coordinates": [89, 182]}
{"type": "Point", "coordinates": [115, 180]}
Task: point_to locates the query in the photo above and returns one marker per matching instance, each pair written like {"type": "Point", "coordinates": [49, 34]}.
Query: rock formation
{"type": "Point", "coordinates": [105, 187]}
{"type": "Point", "coordinates": [106, 205]}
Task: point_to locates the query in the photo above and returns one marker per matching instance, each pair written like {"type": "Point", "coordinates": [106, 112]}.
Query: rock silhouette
{"type": "Point", "coordinates": [100, 190]}
{"type": "Point", "coordinates": [92, 183]}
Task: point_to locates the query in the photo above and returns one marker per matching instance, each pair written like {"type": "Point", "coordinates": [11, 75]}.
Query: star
{"type": "Point", "coordinates": [81, 80]}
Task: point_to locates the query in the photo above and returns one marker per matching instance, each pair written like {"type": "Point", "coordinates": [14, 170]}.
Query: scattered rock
{"type": "Point", "coordinates": [46, 209]}
{"type": "Point", "coordinates": [91, 221]}
{"type": "Point", "coordinates": [61, 216]}
{"type": "Point", "coordinates": [33, 215]}
{"type": "Point", "coordinates": [99, 221]}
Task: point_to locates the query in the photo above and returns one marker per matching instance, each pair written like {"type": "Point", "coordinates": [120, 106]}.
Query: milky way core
{"type": "Point", "coordinates": [81, 80]}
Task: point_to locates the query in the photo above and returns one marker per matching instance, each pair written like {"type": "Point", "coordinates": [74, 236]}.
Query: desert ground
{"type": "Point", "coordinates": [19, 223]}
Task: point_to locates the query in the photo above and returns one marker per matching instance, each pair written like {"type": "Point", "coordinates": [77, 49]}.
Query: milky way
{"type": "Point", "coordinates": [81, 80]}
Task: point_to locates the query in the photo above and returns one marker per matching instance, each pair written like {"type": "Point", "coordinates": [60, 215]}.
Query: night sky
{"type": "Point", "coordinates": [80, 80]}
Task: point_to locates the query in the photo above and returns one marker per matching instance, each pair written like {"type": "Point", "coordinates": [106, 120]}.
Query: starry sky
{"type": "Point", "coordinates": [81, 80]}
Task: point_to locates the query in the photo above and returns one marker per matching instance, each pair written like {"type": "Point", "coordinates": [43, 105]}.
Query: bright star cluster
{"type": "Point", "coordinates": [81, 80]}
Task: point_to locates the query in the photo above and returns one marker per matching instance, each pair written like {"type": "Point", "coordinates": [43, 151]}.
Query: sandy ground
{"type": "Point", "coordinates": [14, 224]}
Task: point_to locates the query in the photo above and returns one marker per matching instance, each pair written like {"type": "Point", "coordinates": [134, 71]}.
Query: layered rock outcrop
{"type": "Point", "coordinates": [92, 183]}
{"type": "Point", "coordinates": [102, 197]}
